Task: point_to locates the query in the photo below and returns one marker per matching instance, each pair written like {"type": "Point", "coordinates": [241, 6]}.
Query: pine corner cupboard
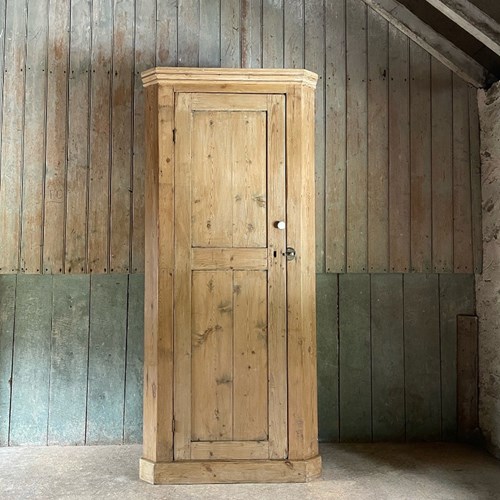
{"type": "Point", "coordinates": [230, 348]}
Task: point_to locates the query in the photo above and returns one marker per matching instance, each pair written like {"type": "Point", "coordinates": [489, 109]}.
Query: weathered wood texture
{"type": "Point", "coordinates": [397, 370]}
{"type": "Point", "coordinates": [71, 359]}
{"type": "Point", "coordinates": [468, 377]}
{"type": "Point", "coordinates": [72, 150]}
{"type": "Point", "coordinates": [383, 350]}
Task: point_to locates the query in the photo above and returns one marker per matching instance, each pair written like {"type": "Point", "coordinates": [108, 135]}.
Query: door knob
{"type": "Point", "coordinates": [280, 224]}
{"type": "Point", "coordinates": [290, 253]}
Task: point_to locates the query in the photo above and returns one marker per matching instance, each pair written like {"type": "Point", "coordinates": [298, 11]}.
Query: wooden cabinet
{"type": "Point", "coordinates": [230, 349]}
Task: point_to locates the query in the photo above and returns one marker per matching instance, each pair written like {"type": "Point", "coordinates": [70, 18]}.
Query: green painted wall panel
{"type": "Point", "coordinates": [69, 357]}
{"type": "Point", "coordinates": [422, 357]}
{"type": "Point", "coordinates": [355, 358]}
{"type": "Point", "coordinates": [388, 395]}
{"type": "Point", "coordinates": [106, 377]}
{"type": "Point", "coordinates": [132, 432]}
{"type": "Point", "coordinates": [7, 309]}
{"type": "Point", "coordinates": [386, 357]}
{"type": "Point", "coordinates": [31, 363]}
{"type": "Point", "coordinates": [454, 298]}
{"type": "Point", "coordinates": [328, 351]}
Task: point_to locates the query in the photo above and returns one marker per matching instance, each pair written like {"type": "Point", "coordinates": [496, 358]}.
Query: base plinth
{"type": "Point", "coordinates": [235, 471]}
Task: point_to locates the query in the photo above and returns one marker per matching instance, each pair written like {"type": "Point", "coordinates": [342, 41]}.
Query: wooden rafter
{"type": "Point", "coordinates": [432, 41]}
{"type": "Point", "coordinates": [472, 19]}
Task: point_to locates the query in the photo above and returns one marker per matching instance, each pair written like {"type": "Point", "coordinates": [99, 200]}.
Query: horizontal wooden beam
{"type": "Point", "coordinates": [472, 19]}
{"type": "Point", "coordinates": [436, 44]}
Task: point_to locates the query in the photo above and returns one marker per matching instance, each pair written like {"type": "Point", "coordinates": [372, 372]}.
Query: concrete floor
{"type": "Point", "coordinates": [360, 471]}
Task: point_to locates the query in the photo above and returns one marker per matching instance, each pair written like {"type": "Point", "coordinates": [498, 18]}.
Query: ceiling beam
{"type": "Point", "coordinates": [432, 41]}
{"type": "Point", "coordinates": [471, 19]}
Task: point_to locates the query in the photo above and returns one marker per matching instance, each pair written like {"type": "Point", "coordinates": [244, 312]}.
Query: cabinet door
{"type": "Point", "coordinates": [230, 393]}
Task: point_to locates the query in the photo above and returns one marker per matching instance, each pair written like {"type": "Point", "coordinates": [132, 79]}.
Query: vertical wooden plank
{"type": "Point", "coordinates": [467, 376]}
{"type": "Point", "coordinates": [78, 138]}
{"type": "Point", "coordinates": [335, 129]}
{"type": "Point", "coordinates": [356, 138]}
{"type": "Point", "coordinates": [3, 59]}
{"type": "Point", "coordinates": [34, 136]}
{"type": "Point", "coordinates": [166, 32]}
{"type": "Point", "coordinates": [420, 155]}
{"type": "Point", "coordinates": [132, 424]}
{"type": "Point", "coordinates": [209, 34]}
{"type": "Point", "coordinates": [399, 152]}
{"type": "Point", "coordinates": [54, 236]}
{"type": "Point", "coordinates": [293, 34]}
{"type": "Point", "coordinates": [31, 361]}
{"type": "Point", "coordinates": [462, 216]}
{"type": "Point", "coordinates": [12, 137]}
{"type": "Point", "coordinates": [100, 127]}
{"type": "Point", "coordinates": [475, 172]}
{"type": "Point", "coordinates": [456, 296]}
{"type": "Point", "coordinates": [272, 33]}
{"type": "Point", "coordinates": [250, 401]}
{"type": "Point", "coordinates": [230, 34]}
{"type": "Point", "coordinates": [7, 310]}
{"type": "Point", "coordinates": [387, 357]}
{"type": "Point", "coordinates": [121, 139]}
{"type": "Point", "coordinates": [181, 255]}
{"type": "Point", "coordinates": [188, 23]}
{"type": "Point", "coordinates": [442, 174]}
{"type": "Point", "coordinates": [378, 144]}
{"type": "Point", "coordinates": [145, 56]}
{"type": "Point", "coordinates": [212, 377]}
{"type": "Point", "coordinates": [108, 322]}
{"type": "Point", "coordinates": [355, 358]}
{"type": "Point", "coordinates": [328, 352]}
{"type": "Point", "coordinates": [422, 370]}
{"type": "Point", "coordinates": [277, 276]}
{"type": "Point", "coordinates": [158, 280]}
{"type": "Point", "coordinates": [69, 357]}
{"type": "Point", "coordinates": [301, 278]}
{"type": "Point", "coordinates": [251, 34]}
{"type": "Point", "coordinates": [314, 60]}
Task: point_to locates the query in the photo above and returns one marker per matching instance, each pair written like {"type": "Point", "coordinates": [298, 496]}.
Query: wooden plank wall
{"type": "Point", "coordinates": [396, 132]}
{"type": "Point", "coordinates": [387, 355]}
{"type": "Point", "coordinates": [74, 339]}
{"type": "Point", "coordinates": [397, 191]}
{"type": "Point", "coordinates": [387, 351]}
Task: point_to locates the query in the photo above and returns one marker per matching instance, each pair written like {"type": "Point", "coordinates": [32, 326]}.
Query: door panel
{"type": "Point", "coordinates": [212, 356]}
{"type": "Point", "coordinates": [250, 416]}
{"type": "Point", "coordinates": [229, 179]}
{"type": "Point", "coordinates": [230, 279]}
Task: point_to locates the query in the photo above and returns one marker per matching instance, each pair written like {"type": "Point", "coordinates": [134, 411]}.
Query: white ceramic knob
{"type": "Point", "coordinates": [280, 224]}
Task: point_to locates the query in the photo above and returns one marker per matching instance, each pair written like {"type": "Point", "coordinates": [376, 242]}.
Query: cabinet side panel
{"type": "Point", "coordinates": [158, 311]}
{"type": "Point", "coordinates": [302, 379]}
